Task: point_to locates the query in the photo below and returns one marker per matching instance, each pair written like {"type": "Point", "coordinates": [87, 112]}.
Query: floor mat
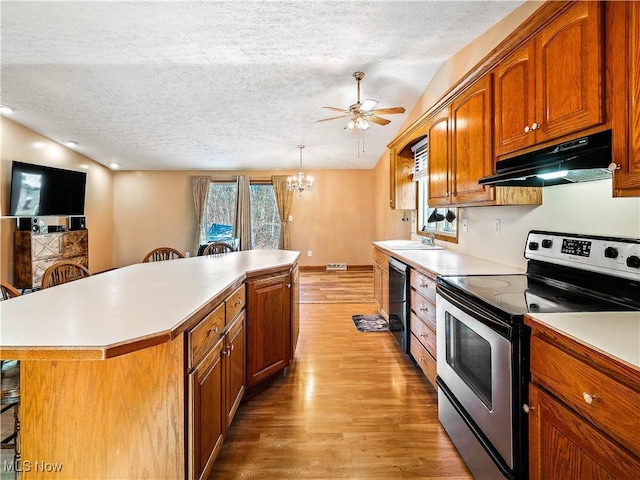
{"type": "Point", "coordinates": [370, 323]}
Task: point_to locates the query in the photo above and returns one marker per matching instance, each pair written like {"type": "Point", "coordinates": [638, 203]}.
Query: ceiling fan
{"type": "Point", "coordinates": [360, 114]}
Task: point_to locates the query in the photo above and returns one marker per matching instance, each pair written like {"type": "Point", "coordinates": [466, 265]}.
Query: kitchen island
{"type": "Point", "coordinates": [110, 365]}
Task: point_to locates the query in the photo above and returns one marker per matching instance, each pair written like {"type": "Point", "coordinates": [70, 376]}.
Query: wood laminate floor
{"type": "Point", "coordinates": [349, 407]}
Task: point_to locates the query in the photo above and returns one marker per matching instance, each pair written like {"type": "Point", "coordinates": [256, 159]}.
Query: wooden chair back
{"type": "Point", "coordinates": [162, 253]}
{"type": "Point", "coordinates": [63, 271]}
{"type": "Point", "coordinates": [217, 248]}
{"type": "Point", "coordinates": [7, 291]}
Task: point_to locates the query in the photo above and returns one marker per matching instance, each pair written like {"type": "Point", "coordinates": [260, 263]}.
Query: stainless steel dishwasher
{"type": "Point", "coordinates": [399, 303]}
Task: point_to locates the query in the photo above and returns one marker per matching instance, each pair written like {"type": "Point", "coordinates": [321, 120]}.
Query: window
{"type": "Point", "coordinates": [441, 222]}
{"type": "Point", "coordinates": [265, 222]}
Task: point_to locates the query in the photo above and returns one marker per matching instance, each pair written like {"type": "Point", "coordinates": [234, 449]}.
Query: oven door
{"type": "Point", "coordinates": [475, 363]}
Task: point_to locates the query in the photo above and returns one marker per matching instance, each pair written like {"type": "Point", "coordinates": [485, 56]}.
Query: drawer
{"type": "Point", "coordinates": [381, 259]}
{"type": "Point", "coordinates": [204, 335]}
{"type": "Point", "coordinates": [234, 304]}
{"type": "Point", "coordinates": [424, 284]}
{"type": "Point", "coordinates": [613, 407]}
{"type": "Point", "coordinates": [425, 361]}
{"type": "Point", "coordinates": [423, 308]}
{"type": "Point", "coordinates": [423, 333]}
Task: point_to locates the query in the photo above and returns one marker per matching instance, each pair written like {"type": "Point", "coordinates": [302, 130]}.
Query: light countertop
{"type": "Point", "coordinates": [615, 334]}
{"type": "Point", "coordinates": [144, 303]}
{"type": "Point", "coordinates": [447, 262]}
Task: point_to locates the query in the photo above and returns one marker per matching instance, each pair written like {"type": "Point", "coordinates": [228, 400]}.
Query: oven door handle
{"type": "Point", "coordinates": [477, 312]}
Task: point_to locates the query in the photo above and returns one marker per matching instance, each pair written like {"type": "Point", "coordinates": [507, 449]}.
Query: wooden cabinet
{"type": "Point", "coordinates": [423, 322]}
{"type": "Point", "coordinates": [553, 85]}
{"type": "Point", "coordinates": [438, 165]}
{"type": "Point", "coordinates": [381, 282]}
{"type": "Point", "coordinates": [295, 309]}
{"type": "Point", "coordinates": [34, 253]}
{"type": "Point", "coordinates": [234, 363]}
{"type": "Point", "coordinates": [583, 411]}
{"type": "Point", "coordinates": [471, 149]}
{"type": "Point", "coordinates": [268, 326]}
{"type": "Point", "coordinates": [216, 358]}
{"type": "Point", "coordinates": [623, 57]}
{"type": "Point", "coordinates": [402, 189]}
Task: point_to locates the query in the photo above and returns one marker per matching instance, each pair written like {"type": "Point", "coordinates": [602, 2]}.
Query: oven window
{"type": "Point", "coordinates": [470, 356]}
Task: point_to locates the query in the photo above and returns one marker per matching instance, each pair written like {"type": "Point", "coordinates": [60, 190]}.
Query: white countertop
{"type": "Point", "coordinates": [613, 333]}
{"type": "Point", "coordinates": [446, 262]}
{"type": "Point", "coordinates": [125, 305]}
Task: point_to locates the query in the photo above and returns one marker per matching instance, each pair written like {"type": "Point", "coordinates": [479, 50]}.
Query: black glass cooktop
{"type": "Point", "coordinates": [520, 294]}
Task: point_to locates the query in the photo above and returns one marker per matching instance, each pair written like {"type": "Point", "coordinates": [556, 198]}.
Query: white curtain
{"type": "Point", "coordinates": [200, 196]}
{"type": "Point", "coordinates": [283, 201]}
{"type": "Point", "coordinates": [242, 224]}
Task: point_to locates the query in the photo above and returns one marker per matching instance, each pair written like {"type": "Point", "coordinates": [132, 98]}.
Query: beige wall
{"type": "Point", "coordinates": [335, 221]}
{"type": "Point", "coordinates": [22, 144]}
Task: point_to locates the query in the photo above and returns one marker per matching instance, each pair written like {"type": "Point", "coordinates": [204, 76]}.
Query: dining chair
{"type": "Point", "coordinates": [63, 271]}
{"type": "Point", "coordinates": [162, 253]}
{"type": "Point", "coordinates": [10, 385]}
{"type": "Point", "coordinates": [217, 248]}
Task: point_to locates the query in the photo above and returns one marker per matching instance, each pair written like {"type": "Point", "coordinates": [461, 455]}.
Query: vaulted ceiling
{"type": "Point", "coordinates": [220, 85]}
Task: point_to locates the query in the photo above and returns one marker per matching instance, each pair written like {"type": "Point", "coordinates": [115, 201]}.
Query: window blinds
{"type": "Point", "coordinates": [420, 156]}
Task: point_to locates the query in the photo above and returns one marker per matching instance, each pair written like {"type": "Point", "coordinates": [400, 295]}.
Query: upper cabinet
{"type": "Point", "coordinates": [552, 85]}
{"type": "Point", "coordinates": [438, 165]}
{"type": "Point", "coordinates": [402, 191]}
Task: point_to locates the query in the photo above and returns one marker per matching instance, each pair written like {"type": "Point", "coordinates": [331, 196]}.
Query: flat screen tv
{"type": "Point", "coordinates": [37, 190]}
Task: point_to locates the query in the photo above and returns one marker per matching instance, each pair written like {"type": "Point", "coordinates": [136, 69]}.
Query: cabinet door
{"type": "Point", "coordinates": [569, 72]}
{"type": "Point", "coordinates": [402, 188]}
{"type": "Point", "coordinates": [206, 419]}
{"type": "Point", "coordinates": [514, 95]}
{"type": "Point", "coordinates": [472, 158]}
{"type": "Point", "coordinates": [235, 367]}
{"type": "Point", "coordinates": [295, 309]}
{"type": "Point", "coordinates": [384, 287]}
{"type": "Point", "coordinates": [438, 164]}
{"type": "Point", "coordinates": [563, 445]}
{"type": "Point", "coordinates": [377, 285]}
{"type": "Point", "coordinates": [268, 327]}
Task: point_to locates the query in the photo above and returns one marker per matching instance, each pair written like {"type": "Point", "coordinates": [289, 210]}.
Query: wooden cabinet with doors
{"type": "Point", "coordinates": [460, 153]}
{"type": "Point", "coordinates": [623, 57]}
{"type": "Point", "coordinates": [216, 379]}
{"type": "Point", "coordinates": [583, 410]}
{"type": "Point", "coordinates": [381, 281]}
{"type": "Point", "coordinates": [402, 189]}
{"type": "Point", "coordinates": [552, 85]}
{"type": "Point", "coordinates": [268, 326]}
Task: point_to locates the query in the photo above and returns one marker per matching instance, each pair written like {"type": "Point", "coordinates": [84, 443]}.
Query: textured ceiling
{"type": "Point", "coordinates": [221, 85]}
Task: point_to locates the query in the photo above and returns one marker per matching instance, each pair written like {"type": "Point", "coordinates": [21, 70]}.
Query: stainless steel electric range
{"type": "Point", "coordinates": [483, 345]}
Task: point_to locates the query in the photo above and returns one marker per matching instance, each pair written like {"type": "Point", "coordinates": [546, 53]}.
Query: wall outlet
{"type": "Point", "coordinates": [309, 253]}
{"type": "Point", "coordinates": [496, 226]}
{"type": "Point", "coordinates": [464, 225]}
{"type": "Point", "coordinates": [291, 218]}
{"type": "Point", "coordinates": [187, 254]}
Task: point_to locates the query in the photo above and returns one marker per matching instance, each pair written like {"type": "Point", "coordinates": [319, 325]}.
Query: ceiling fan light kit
{"type": "Point", "coordinates": [361, 114]}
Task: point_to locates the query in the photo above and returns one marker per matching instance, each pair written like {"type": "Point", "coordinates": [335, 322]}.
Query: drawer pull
{"type": "Point", "coordinates": [424, 308]}
{"type": "Point", "coordinates": [527, 408]}
{"type": "Point", "coordinates": [589, 398]}
{"type": "Point", "coordinates": [237, 303]}
{"type": "Point", "coordinates": [424, 285]}
{"type": "Point", "coordinates": [213, 330]}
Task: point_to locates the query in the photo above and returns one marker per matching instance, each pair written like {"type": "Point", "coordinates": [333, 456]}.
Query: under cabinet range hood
{"type": "Point", "coordinates": [580, 160]}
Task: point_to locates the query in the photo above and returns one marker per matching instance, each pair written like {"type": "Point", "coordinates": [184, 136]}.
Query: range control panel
{"type": "Point", "coordinates": [619, 257]}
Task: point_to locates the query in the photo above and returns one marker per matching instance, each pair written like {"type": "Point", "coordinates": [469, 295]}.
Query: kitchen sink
{"type": "Point", "coordinates": [407, 245]}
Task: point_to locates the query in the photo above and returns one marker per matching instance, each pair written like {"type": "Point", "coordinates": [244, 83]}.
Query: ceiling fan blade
{"type": "Point", "coordinates": [336, 109]}
{"type": "Point", "coordinates": [378, 120]}
{"type": "Point", "coordinates": [388, 111]}
{"type": "Point", "coordinates": [331, 118]}
{"type": "Point", "coordinates": [368, 104]}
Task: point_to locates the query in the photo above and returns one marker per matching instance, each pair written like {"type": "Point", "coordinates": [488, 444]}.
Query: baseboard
{"type": "Point", "coordinates": [323, 268]}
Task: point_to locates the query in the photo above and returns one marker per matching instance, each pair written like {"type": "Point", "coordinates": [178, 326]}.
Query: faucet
{"type": "Point", "coordinates": [430, 240]}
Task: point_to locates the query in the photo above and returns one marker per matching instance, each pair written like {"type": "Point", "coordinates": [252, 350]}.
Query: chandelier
{"type": "Point", "coordinates": [300, 183]}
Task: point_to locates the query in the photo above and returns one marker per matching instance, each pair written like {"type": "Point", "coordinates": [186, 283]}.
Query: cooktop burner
{"type": "Point", "coordinates": [520, 294]}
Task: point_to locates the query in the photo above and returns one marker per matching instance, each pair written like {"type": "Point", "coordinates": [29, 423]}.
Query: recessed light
{"type": "Point", "coordinates": [6, 109]}
{"type": "Point", "coordinates": [114, 165]}
{"type": "Point", "coordinates": [71, 143]}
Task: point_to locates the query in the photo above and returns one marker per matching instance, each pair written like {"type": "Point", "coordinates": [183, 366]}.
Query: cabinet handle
{"type": "Point", "coordinates": [212, 330]}
{"type": "Point", "coordinates": [527, 408]}
{"type": "Point", "coordinates": [535, 126]}
{"type": "Point", "coordinates": [226, 352]}
{"type": "Point", "coordinates": [589, 398]}
{"type": "Point", "coordinates": [424, 285]}
{"type": "Point", "coordinates": [526, 129]}
{"type": "Point", "coordinates": [424, 309]}
{"type": "Point", "coordinates": [288, 285]}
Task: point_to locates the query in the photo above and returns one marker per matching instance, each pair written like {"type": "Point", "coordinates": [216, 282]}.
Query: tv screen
{"type": "Point", "coordinates": [37, 190]}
